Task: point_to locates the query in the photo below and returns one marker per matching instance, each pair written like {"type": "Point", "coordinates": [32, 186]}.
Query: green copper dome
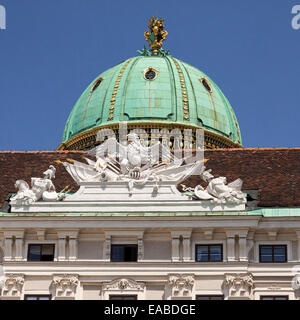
{"type": "Point", "coordinates": [152, 91]}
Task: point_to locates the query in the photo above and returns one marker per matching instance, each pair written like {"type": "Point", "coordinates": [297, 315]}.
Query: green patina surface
{"type": "Point", "coordinates": [160, 100]}
{"type": "Point", "coordinates": [278, 212]}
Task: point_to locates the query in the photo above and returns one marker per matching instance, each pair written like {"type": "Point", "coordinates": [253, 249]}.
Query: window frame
{"type": "Point", "coordinates": [41, 245]}
{"type": "Point", "coordinates": [209, 296]}
{"type": "Point", "coordinates": [38, 296]}
{"type": "Point", "coordinates": [124, 246]}
{"type": "Point", "coordinates": [209, 245]}
{"type": "Point", "coordinates": [122, 296]}
{"type": "Point", "coordinates": [273, 298]}
{"type": "Point", "coordinates": [272, 246]}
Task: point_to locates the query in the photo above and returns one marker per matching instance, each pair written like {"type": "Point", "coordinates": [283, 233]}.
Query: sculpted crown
{"type": "Point", "coordinates": [156, 34]}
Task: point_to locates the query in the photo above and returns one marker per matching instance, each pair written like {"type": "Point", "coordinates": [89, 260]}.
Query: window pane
{"type": "Point", "coordinates": [279, 254]}
{"type": "Point", "coordinates": [34, 252]}
{"type": "Point", "coordinates": [202, 253]}
{"type": "Point", "coordinates": [117, 253]}
{"type": "Point", "coordinates": [35, 298]}
{"type": "Point", "coordinates": [48, 249]}
{"type": "Point", "coordinates": [131, 253]}
{"type": "Point", "coordinates": [122, 297]}
{"type": "Point", "coordinates": [47, 252]}
{"type": "Point", "coordinates": [217, 298]}
{"type": "Point", "coordinates": [216, 253]}
{"type": "Point", "coordinates": [31, 298]}
{"type": "Point", "coordinates": [274, 298]}
{"type": "Point", "coordinates": [266, 254]}
{"type": "Point", "coordinates": [44, 298]}
{"type": "Point", "coordinates": [209, 298]}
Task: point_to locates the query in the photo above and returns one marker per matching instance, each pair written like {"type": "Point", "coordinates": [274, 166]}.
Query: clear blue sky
{"type": "Point", "coordinates": [52, 50]}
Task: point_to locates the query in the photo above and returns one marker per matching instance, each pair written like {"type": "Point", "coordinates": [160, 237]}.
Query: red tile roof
{"type": "Point", "coordinates": [275, 172]}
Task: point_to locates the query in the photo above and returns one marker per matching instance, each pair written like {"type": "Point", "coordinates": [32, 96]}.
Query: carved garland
{"type": "Point", "coordinates": [123, 284]}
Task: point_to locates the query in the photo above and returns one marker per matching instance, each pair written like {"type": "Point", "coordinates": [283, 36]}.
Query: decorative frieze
{"type": "Point", "coordinates": [123, 284]}
{"type": "Point", "coordinates": [239, 285]}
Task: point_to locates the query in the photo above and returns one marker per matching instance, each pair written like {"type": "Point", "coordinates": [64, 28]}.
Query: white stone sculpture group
{"type": "Point", "coordinates": [41, 188]}
{"type": "Point", "coordinates": [218, 191]}
{"type": "Point", "coordinates": [137, 166]}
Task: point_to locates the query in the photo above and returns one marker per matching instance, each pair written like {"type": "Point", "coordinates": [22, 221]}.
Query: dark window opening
{"type": "Point", "coordinates": [40, 252]}
{"type": "Point", "coordinates": [38, 298]}
{"type": "Point", "coordinates": [209, 253]}
{"type": "Point", "coordinates": [272, 298]}
{"type": "Point", "coordinates": [221, 297]}
{"type": "Point", "coordinates": [96, 84]}
{"type": "Point", "coordinates": [124, 253]}
{"type": "Point", "coordinates": [122, 297]}
{"type": "Point", "coordinates": [150, 74]}
{"type": "Point", "coordinates": [273, 253]}
{"type": "Point", "coordinates": [206, 85]}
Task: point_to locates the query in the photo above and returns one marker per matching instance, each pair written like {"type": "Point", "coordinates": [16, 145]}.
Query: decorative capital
{"type": "Point", "coordinates": [156, 34]}
{"type": "Point", "coordinates": [13, 285]}
{"type": "Point", "coordinates": [181, 284]}
{"type": "Point", "coordinates": [65, 285]}
{"type": "Point", "coordinates": [239, 285]}
{"type": "Point", "coordinates": [296, 282]}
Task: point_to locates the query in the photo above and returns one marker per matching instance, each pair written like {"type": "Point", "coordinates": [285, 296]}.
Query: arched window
{"type": "Point", "coordinates": [206, 84]}
{"type": "Point", "coordinates": [96, 84]}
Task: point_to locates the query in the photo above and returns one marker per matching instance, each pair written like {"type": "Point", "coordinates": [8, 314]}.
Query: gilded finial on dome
{"type": "Point", "coordinates": [156, 35]}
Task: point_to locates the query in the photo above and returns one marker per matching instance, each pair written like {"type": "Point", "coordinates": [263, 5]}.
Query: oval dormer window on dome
{"type": "Point", "coordinates": [96, 84]}
{"type": "Point", "coordinates": [150, 74]}
{"type": "Point", "coordinates": [206, 84]}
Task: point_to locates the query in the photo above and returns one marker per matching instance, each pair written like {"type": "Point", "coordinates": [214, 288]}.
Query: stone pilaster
{"type": "Point", "coordinates": [243, 249]}
{"type": "Point", "coordinates": [298, 244]}
{"type": "Point", "coordinates": [140, 249]}
{"type": "Point", "coordinates": [19, 249]}
{"type": "Point", "coordinates": [62, 249]}
{"type": "Point", "coordinates": [107, 248]}
{"type": "Point", "coordinates": [8, 242]}
{"type": "Point", "coordinates": [73, 249]}
{"type": "Point", "coordinates": [175, 249]}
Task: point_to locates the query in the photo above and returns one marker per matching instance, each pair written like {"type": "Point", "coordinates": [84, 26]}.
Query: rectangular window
{"type": "Point", "coordinates": [272, 298]}
{"type": "Point", "coordinates": [210, 297]}
{"type": "Point", "coordinates": [209, 253]}
{"type": "Point", "coordinates": [124, 252]}
{"type": "Point", "coordinates": [273, 253]}
{"type": "Point", "coordinates": [38, 298]}
{"type": "Point", "coordinates": [40, 252]}
{"type": "Point", "coordinates": [122, 297]}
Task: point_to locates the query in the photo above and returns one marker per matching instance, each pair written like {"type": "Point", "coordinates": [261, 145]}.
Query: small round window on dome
{"type": "Point", "coordinates": [96, 84]}
{"type": "Point", "coordinates": [206, 84]}
{"type": "Point", "coordinates": [150, 74]}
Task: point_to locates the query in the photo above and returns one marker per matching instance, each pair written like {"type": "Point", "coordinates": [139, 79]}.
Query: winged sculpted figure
{"type": "Point", "coordinates": [133, 163]}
